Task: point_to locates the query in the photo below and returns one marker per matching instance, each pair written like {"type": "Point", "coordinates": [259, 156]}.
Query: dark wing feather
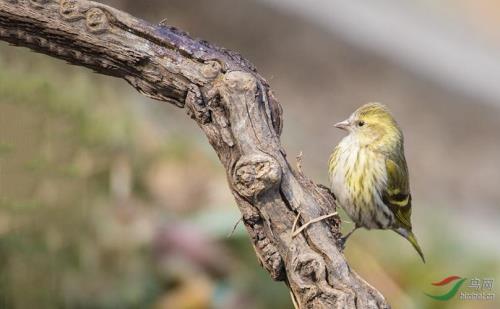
{"type": "Point", "coordinates": [397, 192]}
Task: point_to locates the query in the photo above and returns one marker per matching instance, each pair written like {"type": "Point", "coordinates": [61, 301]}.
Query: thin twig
{"type": "Point", "coordinates": [234, 227]}
{"type": "Point", "coordinates": [294, 301]}
{"type": "Point", "coordinates": [295, 223]}
{"type": "Point", "coordinates": [303, 227]}
{"type": "Point", "coordinates": [163, 22]}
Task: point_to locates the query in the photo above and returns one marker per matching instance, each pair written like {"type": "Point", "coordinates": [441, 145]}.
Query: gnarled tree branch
{"type": "Point", "coordinates": [237, 111]}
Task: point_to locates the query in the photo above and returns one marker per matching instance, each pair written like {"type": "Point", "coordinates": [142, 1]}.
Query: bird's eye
{"type": "Point", "coordinates": [361, 123]}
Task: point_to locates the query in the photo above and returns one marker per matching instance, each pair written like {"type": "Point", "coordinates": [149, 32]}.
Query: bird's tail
{"type": "Point", "coordinates": [408, 234]}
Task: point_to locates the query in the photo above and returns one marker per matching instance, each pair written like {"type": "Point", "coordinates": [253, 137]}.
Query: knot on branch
{"type": "Point", "coordinates": [309, 267]}
{"type": "Point", "coordinates": [310, 272]}
{"type": "Point", "coordinates": [97, 21]}
{"type": "Point", "coordinates": [69, 10]}
{"type": "Point", "coordinates": [239, 81]}
{"type": "Point", "coordinates": [256, 173]}
{"type": "Point", "coordinates": [211, 69]}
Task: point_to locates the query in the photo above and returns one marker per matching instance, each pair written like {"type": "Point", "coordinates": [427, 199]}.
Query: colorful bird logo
{"type": "Point", "coordinates": [454, 289]}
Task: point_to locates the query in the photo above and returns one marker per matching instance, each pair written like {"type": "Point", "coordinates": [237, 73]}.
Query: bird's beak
{"type": "Point", "coordinates": [344, 125]}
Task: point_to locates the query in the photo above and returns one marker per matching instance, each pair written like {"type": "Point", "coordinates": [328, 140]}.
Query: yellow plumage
{"type": "Point", "coordinates": [369, 175]}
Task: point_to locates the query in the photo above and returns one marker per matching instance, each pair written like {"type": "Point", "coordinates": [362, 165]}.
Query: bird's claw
{"type": "Point", "coordinates": [341, 243]}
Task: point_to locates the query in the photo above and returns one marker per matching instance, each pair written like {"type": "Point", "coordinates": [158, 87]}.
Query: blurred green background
{"type": "Point", "coordinates": [111, 200]}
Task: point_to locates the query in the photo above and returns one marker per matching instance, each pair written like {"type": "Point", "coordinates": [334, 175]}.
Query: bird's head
{"type": "Point", "coordinates": [372, 125]}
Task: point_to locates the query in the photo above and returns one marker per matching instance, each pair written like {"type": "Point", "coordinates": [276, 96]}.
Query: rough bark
{"type": "Point", "coordinates": [237, 111]}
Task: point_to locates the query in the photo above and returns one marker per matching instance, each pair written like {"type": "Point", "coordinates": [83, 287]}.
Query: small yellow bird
{"type": "Point", "coordinates": [369, 175]}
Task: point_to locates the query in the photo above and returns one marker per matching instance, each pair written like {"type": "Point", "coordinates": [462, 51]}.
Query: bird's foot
{"type": "Point", "coordinates": [341, 243]}
{"type": "Point", "coordinates": [342, 240]}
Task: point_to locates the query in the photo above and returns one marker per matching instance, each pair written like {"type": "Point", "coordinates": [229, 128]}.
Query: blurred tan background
{"type": "Point", "coordinates": [111, 200]}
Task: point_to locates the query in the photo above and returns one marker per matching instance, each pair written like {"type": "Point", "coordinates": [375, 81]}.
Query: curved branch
{"type": "Point", "coordinates": [237, 111]}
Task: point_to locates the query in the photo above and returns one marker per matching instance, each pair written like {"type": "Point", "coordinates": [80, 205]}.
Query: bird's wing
{"type": "Point", "coordinates": [397, 195]}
